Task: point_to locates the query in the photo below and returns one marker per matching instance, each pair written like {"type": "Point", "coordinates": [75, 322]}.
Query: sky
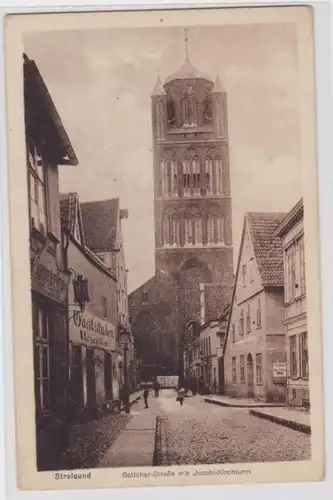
{"type": "Point", "coordinates": [101, 82]}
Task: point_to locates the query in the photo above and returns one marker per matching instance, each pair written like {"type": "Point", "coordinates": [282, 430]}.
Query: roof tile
{"type": "Point", "coordinates": [268, 248]}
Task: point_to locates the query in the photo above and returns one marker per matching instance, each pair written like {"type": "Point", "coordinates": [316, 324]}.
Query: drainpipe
{"type": "Point", "coordinates": [202, 303]}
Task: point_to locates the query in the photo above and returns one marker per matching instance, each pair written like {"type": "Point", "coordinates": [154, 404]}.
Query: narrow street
{"type": "Point", "coordinates": [204, 433]}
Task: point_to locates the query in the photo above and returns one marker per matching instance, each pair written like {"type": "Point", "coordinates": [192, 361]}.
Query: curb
{"type": "Point", "coordinates": [232, 405]}
{"type": "Point", "coordinates": [297, 426]}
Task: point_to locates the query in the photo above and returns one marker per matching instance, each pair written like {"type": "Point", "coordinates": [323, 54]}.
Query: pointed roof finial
{"type": "Point", "coordinates": [158, 89]}
{"type": "Point", "coordinates": [186, 42]}
{"type": "Point", "coordinates": [218, 87]}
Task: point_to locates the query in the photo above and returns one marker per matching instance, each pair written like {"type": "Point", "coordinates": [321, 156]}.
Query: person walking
{"type": "Point", "coordinates": [156, 388]}
{"type": "Point", "coordinates": [180, 395]}
{"type": "Point", "coordinates": [145, 396]}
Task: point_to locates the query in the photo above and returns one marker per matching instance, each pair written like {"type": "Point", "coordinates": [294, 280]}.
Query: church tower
{"type": "Point", "coordinates": [192, 194]}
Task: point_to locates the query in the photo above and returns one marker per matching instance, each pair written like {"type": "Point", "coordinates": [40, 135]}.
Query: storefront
{"type": "Point", "coordinates": [49, 290]}
{"type": "Point", "coordinates": [94, 371]}
{"type": "Point", "coordinates": [94, 363]}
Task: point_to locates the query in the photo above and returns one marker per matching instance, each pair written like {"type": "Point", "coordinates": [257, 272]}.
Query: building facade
{"type": "Point", "coordinates": [203, 361]}
{"type": "Point", "coordinates": [254, 351]}
{"type": "Point", "coordinates": [192, 209]}
{"type": "Point", "coordinates": [291, 231]}
{"type": "Point", "coordinates": [102, 222]}
{"type": "Point", "coordinates": [47, 146]}
{"type": "Point", "coordinates": [94, 374]}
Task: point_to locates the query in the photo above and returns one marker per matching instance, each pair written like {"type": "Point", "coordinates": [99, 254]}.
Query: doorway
{"type": "Point", "coordinates": [108, 376]}
{"type": "Point", "coordinates": [250, 391]}
{"type": "Point", "coordinates": [76, 381]}
{"type": "Point", "coordinates": [91, 380]}
{"type": "Point", "coordinates": [221, 375]}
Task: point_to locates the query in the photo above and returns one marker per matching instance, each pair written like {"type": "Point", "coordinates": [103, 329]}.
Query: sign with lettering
{"type": "Point", "coordinates": [279, 369]}
{"type": "Point", "coordinates": [47, 279]}
{"type": "Point", "coordinates": [92, 331]}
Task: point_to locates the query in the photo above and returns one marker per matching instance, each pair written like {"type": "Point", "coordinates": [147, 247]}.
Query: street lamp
{"type": "Point", "coordinates": [124, 337]}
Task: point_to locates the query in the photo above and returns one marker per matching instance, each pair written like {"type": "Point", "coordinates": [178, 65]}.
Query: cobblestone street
{"type": "Point", "coordinates": [203, 433]}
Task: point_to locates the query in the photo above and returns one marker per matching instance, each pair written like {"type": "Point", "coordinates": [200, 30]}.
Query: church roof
{"type": "Point", "coordinates": [158, 89]}
{"type": "Point", "coordinates": [187, 71]}
{"type": "Point", "coordinates": [218, 87]}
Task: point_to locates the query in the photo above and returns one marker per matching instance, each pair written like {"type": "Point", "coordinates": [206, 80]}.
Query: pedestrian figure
{"type": "Point", "coordinates": [156, 388]}
{"type": "Point", "coordinates": [145, 396]}
{"type": "Point", "coordinates": [180, 395]}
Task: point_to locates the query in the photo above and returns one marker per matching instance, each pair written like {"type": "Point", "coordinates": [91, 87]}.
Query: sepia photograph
{"type": "Point", "coordinates": [168, 248]}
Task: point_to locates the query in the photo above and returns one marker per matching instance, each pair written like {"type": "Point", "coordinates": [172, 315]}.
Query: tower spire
{"type": "Point", "coordinates": [186, 42]}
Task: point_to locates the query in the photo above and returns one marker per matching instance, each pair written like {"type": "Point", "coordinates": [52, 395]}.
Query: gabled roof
{"type": "Point", "coordinates": [268, 248]}
{"type": "Point", "coordinates": [217, 298]}
{"type": "Point", "coordinates": [268, 252]}
{"type": "Point", "coordinates": [100, 224]}
{"type": "Point", "coordinates": [70, 214]}
{"type": "Point", "coordinates": [291, 218]}
{"type": "Point", "coordinates": [42, 117]}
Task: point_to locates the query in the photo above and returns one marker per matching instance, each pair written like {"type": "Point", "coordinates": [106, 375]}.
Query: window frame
{"type": "Point", "coordinates": [234, 369]}
{"type": "Point", "coordinates": [259, 377]}
{"type": "Point", "coordinates": [36, 185]}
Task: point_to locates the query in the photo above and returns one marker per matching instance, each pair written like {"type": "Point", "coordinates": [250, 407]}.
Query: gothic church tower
{"type": "Point", "coordinates": [192, 195]}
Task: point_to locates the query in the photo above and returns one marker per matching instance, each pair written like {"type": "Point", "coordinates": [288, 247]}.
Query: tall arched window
{"type": "Point", "coordinates": [193, 223]}
{"type": "Point", "coordinates": [213, 175]}
{"type": "Point", "coordinates": [189, 112]}
{"type": "Point", "coordinates": [218, 168]}
{"type": "Point", "coordinates": [208, 175]}
{"type": "Point", "coordinates": [169, 176]}
{"type": "Point", "coordinates": [170, 228]}
{"type": "Point", "coordinates": [215, 229]}
{"type": "Point", "coordinates": [191, 174]}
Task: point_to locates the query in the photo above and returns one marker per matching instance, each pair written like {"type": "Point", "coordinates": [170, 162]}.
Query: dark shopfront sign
{"type": "Point", "coordinates": [46, 282]}
{"type": "Point", "coordinates": [92, 331]}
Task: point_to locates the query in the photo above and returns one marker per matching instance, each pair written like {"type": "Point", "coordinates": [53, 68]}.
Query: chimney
{"type": "Point", "coordinates": [202, 303]}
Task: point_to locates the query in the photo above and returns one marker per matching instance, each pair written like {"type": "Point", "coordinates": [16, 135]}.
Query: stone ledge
{"type": "Point", "coordinates": [292, 424]}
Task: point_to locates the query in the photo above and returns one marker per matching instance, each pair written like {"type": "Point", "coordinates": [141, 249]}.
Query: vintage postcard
{"type": "Point", "coordinates": [165, 251]}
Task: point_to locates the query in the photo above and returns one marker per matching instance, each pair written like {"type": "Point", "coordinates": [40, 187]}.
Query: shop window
{"type": "Point", "coordinates": [293, 356]}
{"type": "Point", "coordinates": [37, 189]}
{"type": "Point", "coordinates": [234, 370]}
{"type": "Point", "coordinates": [304, 355]}
{"type": "Point", "coordinates": [242, 368]}
{"type": "Point", "coordinates": [259, 368]}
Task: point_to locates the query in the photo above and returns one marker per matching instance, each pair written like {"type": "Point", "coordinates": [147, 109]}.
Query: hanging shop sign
{"type": "Point", "coordinates": [92, 331]}
{"type": "Point", "coordinates": [47, 279]}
